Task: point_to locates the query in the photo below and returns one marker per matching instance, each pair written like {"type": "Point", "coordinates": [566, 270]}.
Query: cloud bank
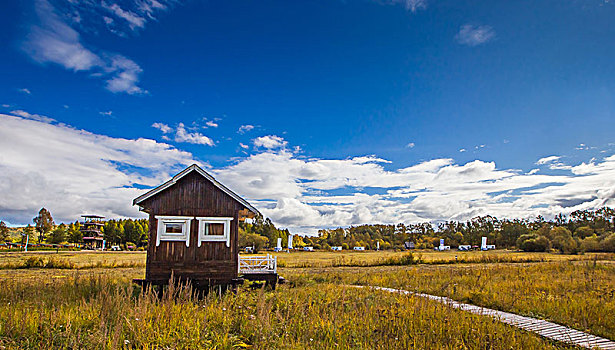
{"type": "Point", "coordinates": [71, 171]}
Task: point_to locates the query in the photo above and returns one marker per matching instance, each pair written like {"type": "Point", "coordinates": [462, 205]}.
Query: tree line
{"type": "Point", "coordinates": [116, 232]}
{"type": "Point", "coordinates": [582, 230]}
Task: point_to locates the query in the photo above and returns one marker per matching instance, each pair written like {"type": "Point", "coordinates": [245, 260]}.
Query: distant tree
{"type": "Point", "coordinates": [28, 231]}
{"type": "Point", "coordinates": [4, 232]}
{"type": "Point", "coordinates": [74, 233]}
{"type": "Point", "coordinates": [563, 241]}
{"type": "Point", "coordinates": [583, 232]}
{"type": "Point", "coordinates": [533, 242]}
{"type": "Point", "coordinates": [58, 235]}
{"type": "Point", "coordinates": [44, 223]}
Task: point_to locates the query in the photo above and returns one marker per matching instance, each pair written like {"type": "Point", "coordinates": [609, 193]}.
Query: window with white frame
{"type": "Point", "coordinates": [173, 228]}
{"type": "Point", "coordinates": [215, 229]}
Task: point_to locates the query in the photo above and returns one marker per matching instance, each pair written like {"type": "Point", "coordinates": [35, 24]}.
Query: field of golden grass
{"type": "Point", "coordinates": [91, 303]}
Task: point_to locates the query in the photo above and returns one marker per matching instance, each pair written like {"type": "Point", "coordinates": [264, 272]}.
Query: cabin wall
{"type": "Point", "coordinates": [192, 195]}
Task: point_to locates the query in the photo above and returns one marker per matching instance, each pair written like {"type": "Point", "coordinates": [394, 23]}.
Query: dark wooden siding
{"type": "Point", "coordinates": [193, 195]}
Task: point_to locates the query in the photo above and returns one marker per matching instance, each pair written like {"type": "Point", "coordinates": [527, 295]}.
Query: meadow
{"type": "Point", "coordinates": [91, 303]}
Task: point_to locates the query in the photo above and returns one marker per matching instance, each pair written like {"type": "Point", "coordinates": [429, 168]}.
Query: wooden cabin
{"type": "Point", "coordinates": [193, 230]}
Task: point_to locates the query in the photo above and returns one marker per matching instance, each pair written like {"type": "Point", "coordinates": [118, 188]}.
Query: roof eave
{"type": "Point", "coordinates": [206, 175]}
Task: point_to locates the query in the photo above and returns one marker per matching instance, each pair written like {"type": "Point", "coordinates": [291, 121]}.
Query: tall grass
{"type": "Point", "coordinates": [577, 294]}
{"type": "Point", "coordinates": [108, 313]}
{"type": "Point", "coordinates": [63, 263]}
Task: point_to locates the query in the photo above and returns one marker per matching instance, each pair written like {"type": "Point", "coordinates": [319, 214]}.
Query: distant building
{"type": "Point", "coordinates": [359, 248]}
{"type": "Point", "coordinates": [92, 234]}
{"type": "Point", "coordinates": [336, 248]}
{"type": "Point", "coordinates": [465, 247]}
{"type": "Point", "coordinates": [308, 249]}
{"type": "Point", "coordinates": [409, 245]}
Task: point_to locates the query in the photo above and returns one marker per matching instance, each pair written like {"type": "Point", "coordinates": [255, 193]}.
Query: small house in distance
{"type": "Point", "coordinates": [193, 230]}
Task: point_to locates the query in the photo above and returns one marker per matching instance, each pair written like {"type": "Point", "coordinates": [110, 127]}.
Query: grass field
{"type": "Point", "coordinates": [93, 304]}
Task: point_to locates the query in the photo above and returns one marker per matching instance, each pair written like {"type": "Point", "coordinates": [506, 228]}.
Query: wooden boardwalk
{"type": "Point", "coordinates": [546, 329]}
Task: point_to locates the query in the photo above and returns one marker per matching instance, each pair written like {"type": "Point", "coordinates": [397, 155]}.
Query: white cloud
{"type": "Point", "coordinates": [181, 135]}
{"type": "Point", "coordinates": [25, 91]}
{"type": "Point", "coordinates": [269, 142]}
{"type": "Point", "coordinates": [134, 20]}
{"type": "Point", "coordinates": [162, 127]}
{"type": "Point", "coordinates": [107, 113]}
{"type": "Point", "coordinates": [461, 150]}
{"type": "Point", "coordinates": [211, 124]}
{"type": "Point", "coordinates": [52, 40]}
{"type": "Point", "coordinates": [410, 145]}
{"type": "Point", "coordinates": [71, 171]}
{"type": "Point", "coordinates": [410, 5]}
{"type": "Point", "coordinates": [474, 35]}
{"type": "Point", "coordinates": [294, 191]}
{"type": "Point", "coordinates": [26, 115]}
{"type": "Point", "coordinates": [125, 76]}
{"type": "Point", "coordinates": [243, 146]}
{"type": "Point", "coordinates": [546, 160]}
{"type": "Point", "coordinates": [245, 128]}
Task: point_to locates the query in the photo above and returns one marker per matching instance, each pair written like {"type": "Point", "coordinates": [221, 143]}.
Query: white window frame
{"type": "Point", "coordinates": [226, 237]}
{"type": "Point", "coordinates": [164, 236]}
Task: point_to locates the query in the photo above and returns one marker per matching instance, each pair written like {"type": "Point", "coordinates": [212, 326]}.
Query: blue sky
{"type": "Point", "coordinates": [315, 110]}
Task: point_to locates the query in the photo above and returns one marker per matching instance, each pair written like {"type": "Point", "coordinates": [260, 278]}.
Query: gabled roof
{"type": "Point", "coordinates": [203, 173]}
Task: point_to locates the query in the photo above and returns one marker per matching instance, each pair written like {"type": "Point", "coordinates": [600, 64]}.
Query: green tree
{"type": "Point", "coordinates": [563, 241]}
{"type": "Point", "coordinates": [533, 242]}
{"type": "Point", "coordinates": [74, 233]}
{"type": "Point", "coordinates": [44, 223]}
{"type": "Point", "coordinates": [583, 232]}
{"type": "Point", "coordinates": [58, 235]}
{"type": "Point", "coordinates": [4, 232]}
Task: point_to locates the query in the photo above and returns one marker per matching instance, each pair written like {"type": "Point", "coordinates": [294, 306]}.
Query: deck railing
{"type": "Point", "coordinates": [258, 264]}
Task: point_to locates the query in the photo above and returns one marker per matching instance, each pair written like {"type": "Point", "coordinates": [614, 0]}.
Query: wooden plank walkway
{"type": "Point", "coordinates": [544, 328]}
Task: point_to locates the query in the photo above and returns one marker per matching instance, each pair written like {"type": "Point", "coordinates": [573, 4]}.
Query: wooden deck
{"type": "Point", "coordinates": [260, 268]}
{"type": "Point", "coordinates": [544, 328]}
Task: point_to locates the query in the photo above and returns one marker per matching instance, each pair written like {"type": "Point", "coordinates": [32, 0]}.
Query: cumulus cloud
{"type": "Point", "coordinates": [25, 91]}
{"type": "Point", "coordinates": [162, 127]}
{"type": "Point", "coordinates": [270, 142]}
{"type": "Point", "coordinates": [71, 171]}
{"type": "Point", "coordinates": [245, 128]}
{"type": "Point", "coordinates": [26, 115]}
{"type": "Point", "coordinates": [546, 160]}
{"type": "Point", "coordinates": [182, 135]}
{"type": "Point", "coordinates": [474, 35]}
{"type": "Point", "coordinates": [308, 194]}
{"type": "Point", "coordinates": [52, 40]}
{"type": "Point", "coordinates": [211, 124]}
{"type": "Point", "coordinates": [410, 145]}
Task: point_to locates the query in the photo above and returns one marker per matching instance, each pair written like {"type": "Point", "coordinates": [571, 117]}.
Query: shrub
{"type": "Point", "coordinates": [33, 262]}
{"type": "Point", "coordinates": [590, 244]}
{"type": "Point", "coordinates": [533, 242]}
{"type": "Point", "coordinates": [563, 241]}
{"type": "Point", "coordinates": [608, 244]}
{"type": "Point", "coordinates": [583, 232]}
